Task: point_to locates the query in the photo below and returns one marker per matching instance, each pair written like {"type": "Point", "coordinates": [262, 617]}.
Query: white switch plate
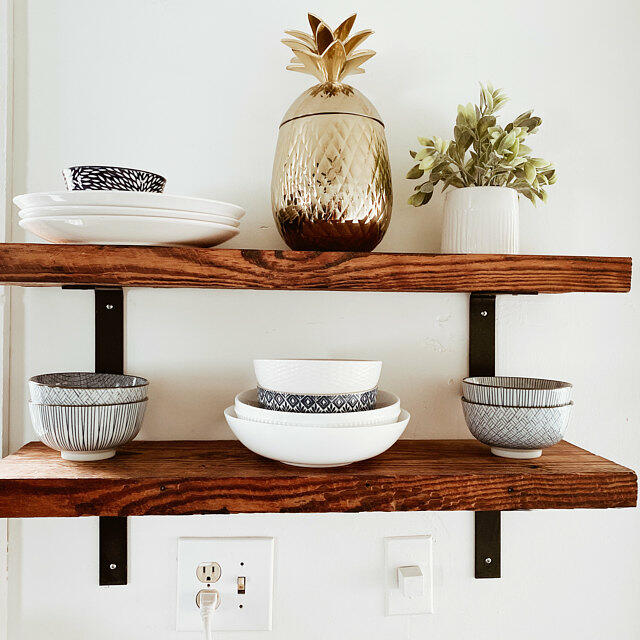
{"type": "Point", "coordinates": [249, 557]}
{"type": "Point", "coordinates": [407, 551]}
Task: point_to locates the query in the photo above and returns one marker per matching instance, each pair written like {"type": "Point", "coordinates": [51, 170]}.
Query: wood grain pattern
{"type": "Point", "coordinates": [187, 477]}
{"type": "Point", "coordinates": [51, 265]}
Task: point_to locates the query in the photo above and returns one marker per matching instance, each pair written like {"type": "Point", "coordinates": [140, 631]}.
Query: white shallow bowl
{"type": "Point", "coordinates": [87, 388]}
{"type": "Point", "coordinates": [387, 411]}
{"type": "Point", "coordinates": [317, 376]}
{"type": "Point", "coordinates": [509, 391]}
{"type": "Point", "coordinates": [87, 433]}
{"type": "Point", "coordinates": [315, 446]}
{"type": "Point", "coordinates": [39, 212]}
{"type": "Point", "coordinates": [516, 432]}
{"type": "Point", "coordinates": [133, 230]}
{"type": "Point", "coordinates": [129, 199]}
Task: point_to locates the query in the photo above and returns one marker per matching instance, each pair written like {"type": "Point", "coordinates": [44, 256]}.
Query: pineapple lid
{"type": "Point", "coordinates": [330, 55]}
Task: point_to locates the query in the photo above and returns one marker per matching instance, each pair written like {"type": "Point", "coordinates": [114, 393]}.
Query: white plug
{"type": "Point", "coordinates": [208, 600]}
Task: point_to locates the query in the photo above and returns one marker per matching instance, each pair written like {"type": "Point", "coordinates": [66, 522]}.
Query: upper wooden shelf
{"type": "Point", "coordinates": [189, 477]}
{"type": "Point", "coordinates": [127, 266]}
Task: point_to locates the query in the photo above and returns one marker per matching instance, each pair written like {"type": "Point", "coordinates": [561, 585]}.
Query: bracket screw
{"type": "Point", "coordinates": [482, 313]}
{"type": "Point", "coordinates": [487, 560]}
{"type": "Point", "coordinates": [112, 566]}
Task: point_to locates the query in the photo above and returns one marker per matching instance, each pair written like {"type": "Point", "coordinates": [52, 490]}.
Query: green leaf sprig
{"type": "Point", "coordinates": [482, 153]}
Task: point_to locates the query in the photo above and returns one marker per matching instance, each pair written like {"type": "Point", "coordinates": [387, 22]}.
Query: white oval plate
{"type": "Point", "coordinates": [315, 446]}
{"type": "Point", "coordinates": [39, 212]}
{"type": "Point", "coordinates": [136, 230]}
{"type": "Point", "coordinates": [387, 411]}
{"type": "Point", "coordinates": [129, 199]}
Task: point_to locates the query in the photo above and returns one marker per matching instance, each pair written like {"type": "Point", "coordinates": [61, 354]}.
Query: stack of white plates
{"type": "Point", "coordinates": [309, 413]}
{"type": "Point", "coordinates": [128, 217]}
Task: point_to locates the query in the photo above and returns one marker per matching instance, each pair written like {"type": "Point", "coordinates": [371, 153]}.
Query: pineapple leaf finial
{"type": "Point", "coordinates": [329, 55]}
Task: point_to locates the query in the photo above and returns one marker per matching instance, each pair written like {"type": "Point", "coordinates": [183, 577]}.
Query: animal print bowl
{"type": "Point", "coordinates": [81, 388]}
{"type": "Point", "coordinates": [317, 376]}
{"type": "Point", "coordinates": [516, 432]}
{"type": "Point", "coordinates": [86, 433]}
{"type": "Point", "coordinates": [516, 392]}
{"type": "Point", "coordinates": [99, 178]}
{"type": "Point", "coordinates": [324, 403]}
{"type": "Point", "coordinates": [386, 411]}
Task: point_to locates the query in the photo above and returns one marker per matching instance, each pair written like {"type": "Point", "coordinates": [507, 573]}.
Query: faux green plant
{"type": "Point", "coordinates": [482, 153]}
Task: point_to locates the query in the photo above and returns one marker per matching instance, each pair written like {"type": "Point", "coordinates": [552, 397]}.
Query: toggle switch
{"type": "Point", "coordinates": [242, 584]}
{"type": "Point", "coordinates": [411, 581]}
{"type": "Point", "coordinates": [408, 575]}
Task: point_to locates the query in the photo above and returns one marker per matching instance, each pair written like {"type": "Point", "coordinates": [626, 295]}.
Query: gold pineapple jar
{"type": "Point", "coordinates": [331, 185]}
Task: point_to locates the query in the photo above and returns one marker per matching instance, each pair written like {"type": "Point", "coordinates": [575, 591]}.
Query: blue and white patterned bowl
{"type": "Point", "coordinates": [516, 432]}
{"type": "Point", "coordinates": [87, 433]}
{"type": "Point", "coordinates": [325, 403]}
{"type": "Point", "coordinates": [85, 388]}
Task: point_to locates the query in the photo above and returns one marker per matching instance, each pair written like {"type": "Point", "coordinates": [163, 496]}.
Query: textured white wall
{"type": "Point", "coordinates": [195, 89]}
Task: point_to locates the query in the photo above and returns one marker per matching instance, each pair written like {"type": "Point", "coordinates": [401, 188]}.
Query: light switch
{"type": "Point", "coordinates": [409, 575]}
{"type": "Point", "coordinates": [411, 581]}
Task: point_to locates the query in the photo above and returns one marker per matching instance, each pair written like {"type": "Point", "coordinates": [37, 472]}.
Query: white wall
{"type": "Point", "coordinates": [196, 89]}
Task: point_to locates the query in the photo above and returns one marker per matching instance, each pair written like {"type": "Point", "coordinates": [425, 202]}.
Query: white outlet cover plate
{"type": "Point", "coordinates": [229, 553]}
{"type": "Point", "coordinates": [407, 551]}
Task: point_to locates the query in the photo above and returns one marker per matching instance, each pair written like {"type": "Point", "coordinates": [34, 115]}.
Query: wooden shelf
{"type": "Point", "coordinates": [188, 477]}
{"type": "Point", "coordinates": [125, 266]}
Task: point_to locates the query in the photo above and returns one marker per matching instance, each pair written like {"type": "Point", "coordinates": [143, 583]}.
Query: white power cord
{"type": "Point", "coordinates": [209, 601]}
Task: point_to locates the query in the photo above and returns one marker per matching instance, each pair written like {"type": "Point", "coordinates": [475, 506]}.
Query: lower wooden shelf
{"type": "Point", "coordinates": [190, 477]}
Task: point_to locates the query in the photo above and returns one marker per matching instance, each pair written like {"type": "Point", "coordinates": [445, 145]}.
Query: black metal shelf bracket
{"type": "Point", "coordinates": [109, 358]}
{"type": "Point", "coordinates": [482, 362]}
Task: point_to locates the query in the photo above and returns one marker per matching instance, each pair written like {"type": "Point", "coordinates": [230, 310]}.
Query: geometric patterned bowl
{"type": "Point", "coordinates": [517, 432]}
{"type": "Point", "coordinates": [326, 403]}
{"type": "Point", "coordinates": [87, 433]}
{"type": "Point", "coordinates": [386, 411]}
{"type": "Point", "coordinates": [87, 389]}
{"type": "Point", "coordinates": [509, 391]}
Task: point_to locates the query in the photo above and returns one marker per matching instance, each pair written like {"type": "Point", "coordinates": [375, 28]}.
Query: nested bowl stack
{"type": "Point", "coordinates": [317, 413]}
{"type": "Point", "coordinates": [517, 417]}
{"type": "Point", "coordinates": [86, 416]}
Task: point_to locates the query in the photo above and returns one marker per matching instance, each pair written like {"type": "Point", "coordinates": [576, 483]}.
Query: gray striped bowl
{"type": "Point", "coordinates": [87, 433]}
{"type": "Point", "coordinates": [87, 388]}
{"type": "Point", "coordinates": [507, 391]}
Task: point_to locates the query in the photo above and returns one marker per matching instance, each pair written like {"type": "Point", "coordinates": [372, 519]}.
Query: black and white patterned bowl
{"type": "Point", "coordinates": [509, 391]}
{"type": "Point", "coordinates": [82, 388]}
{"type": "Point", "coordinates": [99, 178]}
{"type": "Point", "coordinates": [516, 432]}
{"type": "Point", "coordinates": [87, 433]}
{"type": "Point", "coordinates": [326, 403]}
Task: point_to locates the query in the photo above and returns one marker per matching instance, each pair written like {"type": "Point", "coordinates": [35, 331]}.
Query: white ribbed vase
{"type": "Point", "coordinates": [481, 220]}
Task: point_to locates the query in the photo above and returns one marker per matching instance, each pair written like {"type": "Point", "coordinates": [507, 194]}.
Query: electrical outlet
{"type": "Point", "coordinates": [208, 572]}
{"type": "Point", "coordinates": [242, 571]}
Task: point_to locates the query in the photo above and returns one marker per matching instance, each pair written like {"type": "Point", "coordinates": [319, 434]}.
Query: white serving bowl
{"type": "Point", "coordinates": [317, 376]}
{"type": "Point", "coordinates": [129, 199]}
{"type": "Point", "coordinates": [387, 411]}
{"type": "Point", "coordinates": [516, 432]}
{"type": "Point", "coordinates": [510, 391]}
{"type": "Point", "coordinates": [128, 230]}
{"type": "Point", "coordinates": [87, 388]}
{"type": "Point", "coordinates": [315, 446]}
{"type": "Point", "coordinates": [87, 433]}
{"type": "Point", "coordinates": [40, 212]}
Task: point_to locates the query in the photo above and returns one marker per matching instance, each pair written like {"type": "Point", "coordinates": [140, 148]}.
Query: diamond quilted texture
{"type": "Point", "coordinates": [338, 403]}
{"type": "Point", "coordinates": [331, 186]}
